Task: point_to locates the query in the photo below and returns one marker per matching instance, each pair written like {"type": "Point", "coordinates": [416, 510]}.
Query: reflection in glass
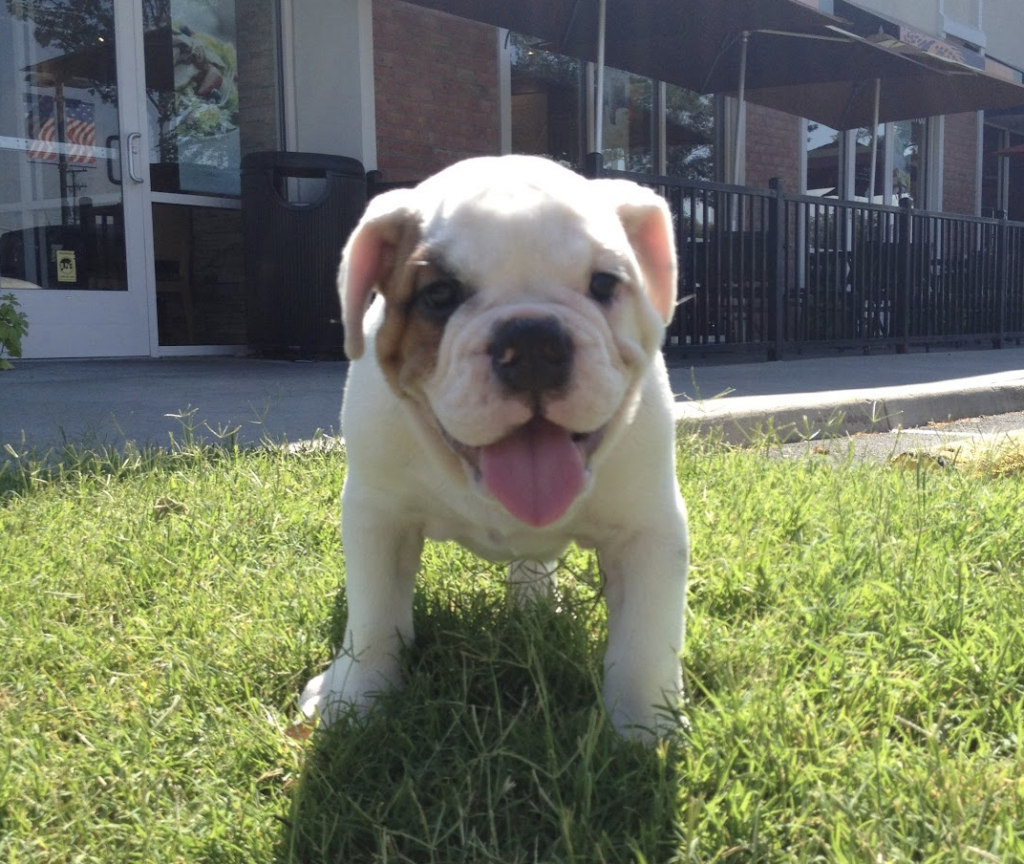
{"type": "Point", "coordinates": [208, 87]}
{"type": "Point", "coordinates": [629, 115]}
{"type": "Point", "coordinates": [1015, 183]}
{"type": "Point", "coordinates": [992, 198]}
{"type": "Point", "coordinates": [908, 169]}
{"type": "Point", "coordinates": [199, 275]}
{"type": "Point", "coordinates": [823, 161]}
{"type": "Point", "coordinates": [1002, 177]}
{"type": "Point", "coordinates": [689, 134]}
{"type": "Point", "coordinates": [863, 187]}
{"type": "Point", "coordinates": [61, 215]}
{"type": "Point", "coordinates": [192, 90]}
{"type": "Point", "coordinates": [547, 104]}
{"type": "Point", "coordinates": [549, 116]}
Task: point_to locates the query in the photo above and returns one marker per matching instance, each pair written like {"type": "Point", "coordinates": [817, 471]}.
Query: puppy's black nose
{"type": "Point", "coordinates": [531, 355]}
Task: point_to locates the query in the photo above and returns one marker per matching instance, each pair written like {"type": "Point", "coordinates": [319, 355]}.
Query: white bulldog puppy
{"type": "Point", "coordinates": [507, 392]}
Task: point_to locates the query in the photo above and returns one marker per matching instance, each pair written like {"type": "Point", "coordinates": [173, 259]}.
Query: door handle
{"type": "Point", "coordinates": [115, 181]}
{"type": "Point", "coordinates": [134, 142]}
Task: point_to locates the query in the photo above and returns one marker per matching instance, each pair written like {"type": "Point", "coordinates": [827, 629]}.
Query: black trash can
{"type": "Point", "coordinates": [292, 247]}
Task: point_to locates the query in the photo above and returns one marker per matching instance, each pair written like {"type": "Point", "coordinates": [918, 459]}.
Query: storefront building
{"type": "Point", "coordinates": [123, 124]}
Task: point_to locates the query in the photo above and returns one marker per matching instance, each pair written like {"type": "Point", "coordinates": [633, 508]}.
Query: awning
{"type": "Point", "coordinates": [708, 46]}
{"type": "Point", "coordinates": [694, 43]}
{"type": "Point", "coordinates": [932, 86]}
{"type": "Point", "coordinates": [780, 53]}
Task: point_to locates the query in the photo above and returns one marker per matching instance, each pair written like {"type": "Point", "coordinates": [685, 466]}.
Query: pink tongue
{"type": "Point", "coordinates": [536, 472]}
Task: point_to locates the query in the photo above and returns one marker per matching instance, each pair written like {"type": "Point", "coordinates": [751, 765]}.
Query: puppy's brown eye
{"type": "Point", "coordinates": [603, 287]}
{"type": "Point", "coordinates": [440, 298]}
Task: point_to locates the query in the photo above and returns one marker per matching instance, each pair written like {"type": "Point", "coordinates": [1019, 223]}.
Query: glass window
{"type": "Point", "coordinates": [61, 209]}
{"type": "Point", "coordinates": [1015, 183]}
{"type": "Point", "coordinates": [212, 95]}
{"type": "Point", "coordinates": [629, 122]}
{"type": "Point", "coordinates": [863, 188]}
{"type": "Point", "coordinates": [199, 275]}
{"type": "Point", "coordinates": [908, 161]}
{"type": "Point", "coordinates": [548, 117]}
{"type": "Point", "coordinates": [1002, 177]}
{"type": "Point", "coordinates": [689, 134]}
{"type": "Point", "coordinates": [825, 157]}
{"type": "Point", "coordinates": [823, 145]}
{"type": "Point", "coordinates": [991, 175]}
{"type": "Point", "coordinates": [211, 91]}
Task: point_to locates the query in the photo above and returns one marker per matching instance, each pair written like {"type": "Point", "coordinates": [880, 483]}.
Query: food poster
{"type": "Point", "coordinates": [196, 108]}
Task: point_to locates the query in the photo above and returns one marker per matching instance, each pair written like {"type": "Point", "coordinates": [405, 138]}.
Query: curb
{"type": "Point", "coordinates": [801, 417]}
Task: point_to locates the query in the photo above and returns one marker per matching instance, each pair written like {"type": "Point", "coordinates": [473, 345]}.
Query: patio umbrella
{"type": "Point", "coordinates": [932, 86]}
{"type": "Point", "coordinates": [929, 86]}
{"type": "Point", "coordinates": [825, 55]}
{"type": "Point", "coordinates": [780, 53]}
{"type": "Point", "coordinates": [1014, 152]}
{"type": "Point", "coordinates": [697, 44]}
{"type": "Point", "coordinates": [709, 46]}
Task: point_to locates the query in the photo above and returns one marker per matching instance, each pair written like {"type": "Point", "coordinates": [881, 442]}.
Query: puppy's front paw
{"type": "Point", "coordinates": [644, 705]}
{"type": "Point", "coordinates": [346, 684]}
{"type": "Point", "coordinates": [646, 722]}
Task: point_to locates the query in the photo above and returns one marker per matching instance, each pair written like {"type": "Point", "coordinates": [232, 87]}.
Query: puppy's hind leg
{"type": "Point", "coordinates": [530, 581]}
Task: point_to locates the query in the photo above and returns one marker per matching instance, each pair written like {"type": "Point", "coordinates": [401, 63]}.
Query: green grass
{"type": "Point", "coordinates": [855, 665]}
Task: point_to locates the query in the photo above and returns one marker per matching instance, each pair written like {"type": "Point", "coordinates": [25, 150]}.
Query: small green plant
{"type": "Point", "coordinates": [13, 326]}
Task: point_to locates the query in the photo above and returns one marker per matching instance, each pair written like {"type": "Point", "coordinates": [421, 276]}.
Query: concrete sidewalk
{"type": "Point", "coordinates": [109, 402]}
{"type": "Point", "coordinates": [847, 395]}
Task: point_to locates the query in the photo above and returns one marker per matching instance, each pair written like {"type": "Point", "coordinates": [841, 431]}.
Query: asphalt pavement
{"type": "Point", "coordinates": [44, 404]}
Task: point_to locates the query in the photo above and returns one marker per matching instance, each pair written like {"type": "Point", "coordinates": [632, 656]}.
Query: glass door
{"type": "Point", "coordinates": [211, 94]}
{"type": "Point", "coordinates": [75, 234]}
{"type": "Point", "coordinates": [197, 61]}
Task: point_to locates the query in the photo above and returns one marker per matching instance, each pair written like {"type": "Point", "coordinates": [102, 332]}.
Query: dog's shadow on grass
{"type": "Point", "coordinates": [497, 749]}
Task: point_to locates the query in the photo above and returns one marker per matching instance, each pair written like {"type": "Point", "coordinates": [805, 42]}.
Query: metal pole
{"type": "Point", "coordinates": [874, 142]}
{"type": "Point", "coordinates": [61, 138]}
{"type": "Point", "coordinates": [741, 93]}
{"type": "Point", "coordinates": [599, 108]}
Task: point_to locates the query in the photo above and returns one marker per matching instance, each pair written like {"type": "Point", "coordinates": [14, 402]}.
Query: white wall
{"type": "Point", "coordinates": [1004, 26]}
{"type": "Point", "coordinates": [997, 26]}
{"type": "Point", "coordinates": [921, 14]}
{"type": "Point", "coordinates": [328, 78]}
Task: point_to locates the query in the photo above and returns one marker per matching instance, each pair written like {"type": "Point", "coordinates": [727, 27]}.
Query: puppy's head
{"type": "Point", "coordinates": [523, 305]}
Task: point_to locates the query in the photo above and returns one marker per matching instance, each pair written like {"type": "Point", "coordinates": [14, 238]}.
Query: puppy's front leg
{"type": "Point", "coordinates": [645, 588]}
{"type": "Point", "coordinates": [381, 560]}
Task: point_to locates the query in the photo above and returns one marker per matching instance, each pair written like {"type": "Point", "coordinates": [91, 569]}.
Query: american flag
{"type": "Point", "coordinates": [79, 144]}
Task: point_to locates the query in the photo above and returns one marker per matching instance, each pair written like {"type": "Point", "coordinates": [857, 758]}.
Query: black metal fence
{"type": "Point", "coordinates": [765, 271]}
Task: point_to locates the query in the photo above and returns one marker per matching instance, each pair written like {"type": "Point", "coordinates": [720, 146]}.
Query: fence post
{"type": "Point", "coordinates": [776, 295]}
{"type": "Point", "coordinates": [904, 286]}
{"type": "Point", "coordinates": [1002, 277]}
{"type": "Point", "coordinates": [593, 165]}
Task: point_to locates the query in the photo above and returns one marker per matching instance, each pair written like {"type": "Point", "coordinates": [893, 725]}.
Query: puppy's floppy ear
{"type": "Point", "coordinates": [648, 223]}
{"type": "Point", "coordinates": [369, 259]}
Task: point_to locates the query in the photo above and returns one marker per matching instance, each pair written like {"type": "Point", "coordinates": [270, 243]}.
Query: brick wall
{"type": "Point", "coordinates": [258, 109]}
{"type": "Point", "coordinates": [436, 89]}
{"type": "Point", "coordinates": [773, 147]}
{"type": "Point", "coordinates": [959, 171]}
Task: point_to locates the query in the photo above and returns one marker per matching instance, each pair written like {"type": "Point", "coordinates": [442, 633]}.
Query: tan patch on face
{"type": "Point", "coordinates": [408, 341]}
